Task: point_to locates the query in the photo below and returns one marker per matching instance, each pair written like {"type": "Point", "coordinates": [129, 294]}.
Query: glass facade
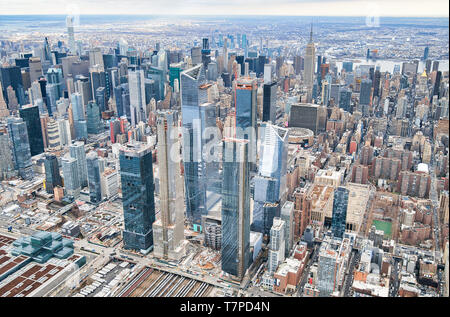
{"type": "Point", "coordinates": [235, 208]}
{"type": "Point", "coordinates": [52, 176]}
{"type": "Point", "coordinates": [340, 204]}
{"type": "Point", "coordinates": [93, 170]}
{"type": "Point", "coordinates": [136, 172]}
{"type": "Point", "coordinates": [78, 152]}
{"type": "Point", "coordinates": [18, 135]}
{"type": "Point", "coordinates": [30, 116]}
{"type": "Point", "coordinates": [202, 178]}
{"type": "Point", "coordinates": [94, 123]}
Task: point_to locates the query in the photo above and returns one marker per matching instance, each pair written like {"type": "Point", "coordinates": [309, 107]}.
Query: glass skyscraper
{"type": "Point", "coordinates": [94, 124]}
{"type": "Point", "coordinates": [93, 170]}
{"type": "Point", "coordinates": [270, 183]}
{"type": "Point", "coordinates": [78, 152]}
{"type": "Point", "coordinates": [136, 172]}
{"type": "Point", "coordinates": [18, 135]}
{"type": "Point", "coordinates": [71, 176]}
{"type": "Point", "coordinates": [52, 176]}
{"type": "Point", "coordinates": [30, 115]}
{"type": "Point", "coordinates": [200, 176]}
{"type": "Point", "coordinates": [235, 208]}
{"type": "Point", "coordinates": [340, 204]}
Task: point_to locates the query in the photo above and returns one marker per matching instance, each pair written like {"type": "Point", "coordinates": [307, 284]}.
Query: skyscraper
{"type": "Point", "coordinates": [308, 77]}
{"type": "Point", "coordinates": [30, 115]}
{"type": "Point", "coordinates": [235, 208]}
{"type": "Point", "coordinates": [137, 96]}
{"type": "Point", "coordinates": [198, 115]}
{"type": "Point", "coordinates": [78, 152]}
{"type": "Point", "coordinates": [276, 245]}
{"type": "Point", "coordinates": [71, 176]}
{"type": "Point", "coordinates": [269, 102]}
{"type": "Point", "coordinates": [93, 172]}
{"type": "Point", "coordinates": [168, 231]}
{"type": "Point", "coordinates": [339, 216]}
{"type": "Point", "coordinates": [94, 123]}
{"type": "Point", "coordinates": [245, 103]}
{"type": "Point", "coordinates": [52, 176]}
{"type": "Point", "coordinates": [70, 33]}
{"type": "Point", "coordinates": [18, 135]}
{"type": "Point", "coordinates": [136, 172]}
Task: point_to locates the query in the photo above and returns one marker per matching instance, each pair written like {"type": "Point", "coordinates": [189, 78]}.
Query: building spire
{"type": "Point", "coordinates": [311, 33]}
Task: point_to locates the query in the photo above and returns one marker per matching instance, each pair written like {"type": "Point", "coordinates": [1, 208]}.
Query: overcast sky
{"type": "Point", "coordinates": [414, 8]}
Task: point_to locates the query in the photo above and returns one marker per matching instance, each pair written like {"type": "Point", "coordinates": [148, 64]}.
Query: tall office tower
{"type": "Point", "coordinates": [12, 76]}
{"type": "Point", "coordinates": [435, 66]}
{"type": "Point", "coordinates": [269, 102]}
{"type": "Point", "coordinates": [93, 171]}
{"type": "Point", "coordinates": [122, 95]}
{"type": "Point", "coordinates": [55, 77]}
{"type": "Point", "coordinates": [197, 115]}
{"type": "Point", "coordinates": [64, 131]}
{"type": "Point", "coordinates": [339, 216]}
{"type": "Point", "coordinates": [196, 55]}
{"type": "Point", "coordinates": [6, 159]}
{"type": "Point", "coordinates": [98, 79]}
{"type": "Point", "coordinates": [136, 172]}
{"type": "Point", "coordinates": [96, 58]}
{"type": "Point", "coordinates": [168, 231]}
{"type": "Point", "coordinates": [35, 68]}
{"type": "Point", "coordinates": [84, 88]}
{"type": "Point", "coordinates": [308, 77]}
{"type": "Point", "coordinates": [47, 53]}
{"type": "Point", "coordinates": [335, 92]}
{"type": "Point", "coordinates": [325, 92]}
{"type": "Point", "coordinates": [30, 115]}
{"type": "Point", "coordinates": [52, 176]}
{"type": "Point", "coordinates": [287, 215]}
{"type": "Point", "coordinates": [4, 112]}
{"type": "Point", "coordinates": [425, 53]}
{"type": "Point", "coordinates": [245, 45]}
{"type": "Point", "coordinates": [78, 152]}
{"type": "Point", "coordinates": [345, 97]}
{"type": "Point", "coordinates": [245, 103]}
{"type": "Point", "coordinates": [225, 55]}
{"type": "Point", "coordinates": [365, 92]}
{"type": "Point", "coordinates": [137, 96]}
{"type": "Point", "coordinates": [437, 84]}
{"type": "Point", "coordinates": [18, 135]}
{"type": "Point", "coordinates": [298, 64]}
{"type": "Point", "coordinates": [71, 176]}
{"type": "Point", "coordinates": [79, 119]}
{"type": "Point", "coordinates": [376, 83]}
{"type": "Point", "coordinates": [235, 208]}
{"type": "Point", "coordinates": [276, 245]}
{"type": "Point", "coordinates": [270, 183]}
{"type": "Point", "coordinates": [94, 123]}
{"type": "Point", "coordinates": [273, 159]}
{"type": "Point", "coordinates": [100, 98]}
{"type": "Point", "coordinates": [71, 34]}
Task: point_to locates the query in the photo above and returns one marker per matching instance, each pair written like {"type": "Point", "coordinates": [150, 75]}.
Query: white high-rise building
{"type": "Point", "coordinates": [277, 244]}
{"type": "Point", "coordinates": [71, 34]}
{"type": "Point", "coordinates": [137, 96]}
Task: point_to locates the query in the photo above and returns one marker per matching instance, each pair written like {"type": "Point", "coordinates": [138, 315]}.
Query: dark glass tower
{"type": "Point", "coordinates": [30, 115]}
{"type": "Point", "coordinates": [94, 124]}
{"type": "Point", "coordinates": [339, 217]}
{"type": "Point", "coordinates": [269, 102]}
{"type": "Point", "coordinates": [235, 208]}
{"type": "Point", "coordinates": [18, 135]}
{"type": "Point", "coordinates": [93, 170]}
{"type": "Point", "coordinates": [136, 172]}
{"type": "Point", "coordinates": [52, 175]}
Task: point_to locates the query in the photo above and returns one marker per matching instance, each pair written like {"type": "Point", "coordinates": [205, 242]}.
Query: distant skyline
{"type": "Point", "coordinates": [382, 8]}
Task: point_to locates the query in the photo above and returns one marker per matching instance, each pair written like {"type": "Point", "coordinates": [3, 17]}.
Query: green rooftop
{"type": "Point", "coordinates": [385, 226]}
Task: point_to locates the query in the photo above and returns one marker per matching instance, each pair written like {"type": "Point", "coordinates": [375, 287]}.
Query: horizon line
{"type": "Point", "coordinates": [225, 15]}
